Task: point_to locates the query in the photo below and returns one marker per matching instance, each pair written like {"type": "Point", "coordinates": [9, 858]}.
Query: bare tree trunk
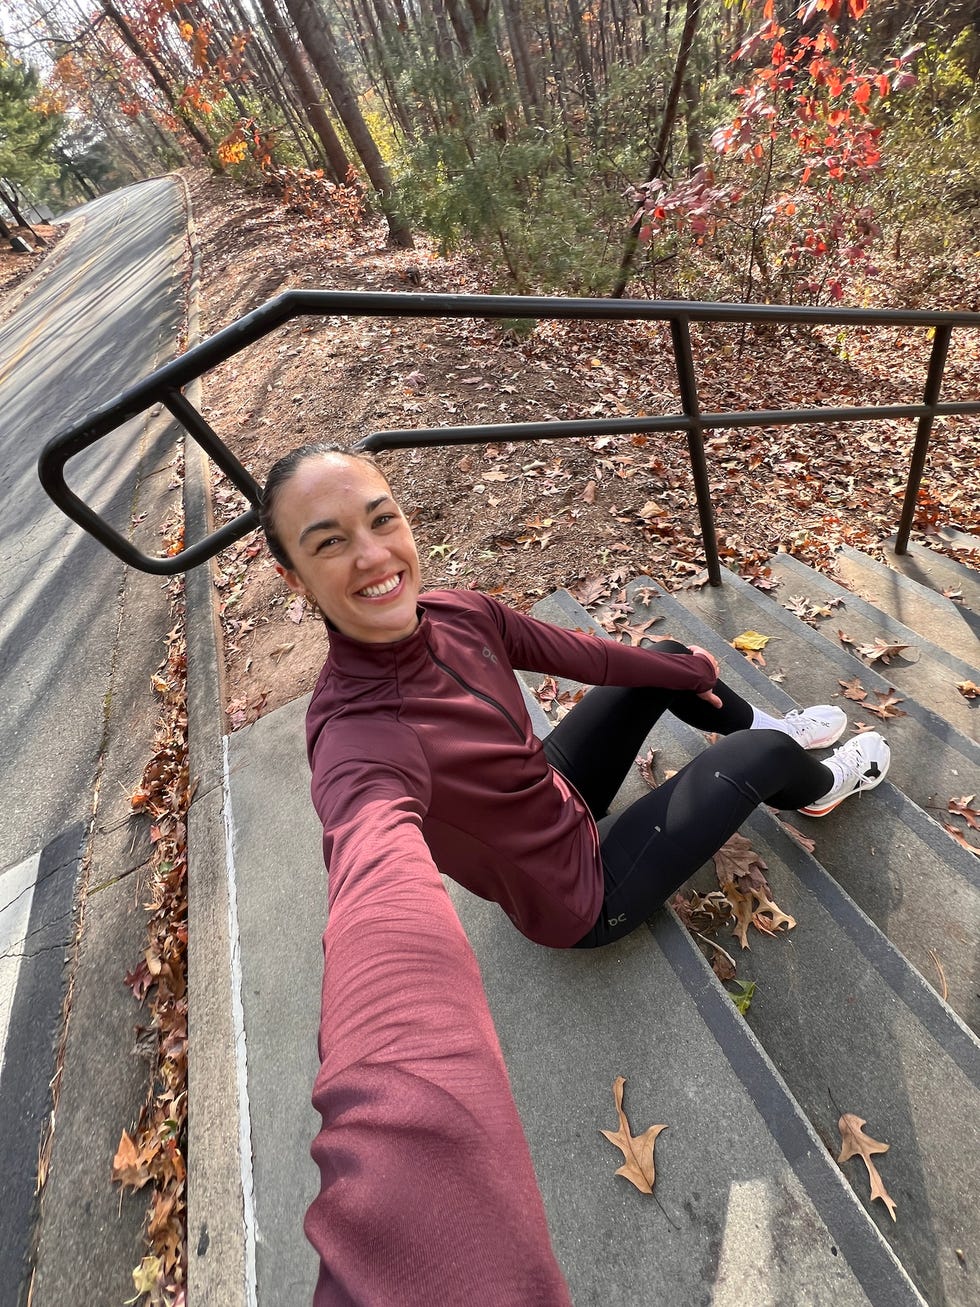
{"type": "Point", "coordinates": [581, 52]}
{"type": "Point", "coordinates": [81, 180]}
{"type": "Point", "coordinates": [692, 17]}
{"type": "Point", "coordinates": [270, 77]}
{"type": "Point", "coordinates": [9, 197]}
{"type": "Point", "coordinates": [526, 81]}
{"type": "Point", "coordinates": [315, 35]}
{"type": "Point", "coordinates": [692, 121]}
{"type": "Point", "coordinates": [335, 156]}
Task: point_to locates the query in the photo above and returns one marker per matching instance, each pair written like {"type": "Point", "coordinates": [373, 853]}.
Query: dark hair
{"type": "Point", "coordinates": [283, 470]}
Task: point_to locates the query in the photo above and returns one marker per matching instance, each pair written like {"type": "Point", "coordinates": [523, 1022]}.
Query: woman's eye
{"type": "Point", "coordinates": [327, 542]}
{"type": "Point", "coordinates": [384, 519]}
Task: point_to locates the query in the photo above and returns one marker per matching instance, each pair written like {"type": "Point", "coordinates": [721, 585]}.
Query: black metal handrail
{"type": "Point", "coordinates": [164, 386]}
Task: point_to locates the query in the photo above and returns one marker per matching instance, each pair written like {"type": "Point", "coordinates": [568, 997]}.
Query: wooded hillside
{"type": "Point", "coordinates": [753, 151]}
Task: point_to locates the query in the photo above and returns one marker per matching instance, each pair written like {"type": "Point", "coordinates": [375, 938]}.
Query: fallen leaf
{"type": "Point", "coordinates": [638, 632]}
{"type": "Point", "coordinates": [968, 689]}
{"type": "Point", "coordinates": [644, 766]}
{"type": "Point", "coordinates": [743, 996]}
{"type": "Point", "coordinates": [853, 690]}
{"type": "Point", "coordinates": [740, 872]}
{"type": "Point", "coordinates": [590, 591]}
{"type": "Point", "coordinates": [854, 1143]}
{"type": "Point", "coordinates": [147, 1276]}
{"type": "Point", "coordinates": [588, 494]}
{"type": "Point", "coordinates": [963, 807]}
{"type": "Point", "coordinates": [638, 1151]}
{"type": "Point", "coordinates": [888, 707]}
{"type": "Point", "coordinates": [750, 641]}
{"type": "Point", "coordinates": [960, 838]}
{"type": "Point", "coordinates": [296, 609]}
{"type": "Point", "coordinates": [128, 1167]}
{"type": "Point", "coordinates": [281, 650]}
{"type": "Point", "coordinates": [803, 840]}
{"type": "Point", "coordinates": [881, 649]}
{"type": "Point", "coordinates": [722, 965]}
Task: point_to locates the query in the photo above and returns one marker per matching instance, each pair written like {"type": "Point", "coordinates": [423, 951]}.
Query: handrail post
{"type": "Point", "coordinates": [934, 383]}
{"type": "Point", "coordinates": [680, 335]}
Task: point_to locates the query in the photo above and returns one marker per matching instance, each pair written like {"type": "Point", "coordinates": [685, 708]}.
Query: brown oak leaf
{"type": "Point", "coordinates": [854, 690]}
{"type": "Point", "coordinates": [854, 1142]}
{"type": "Point", "coordinates": [968, 689]}
{"type": "Point", "coordinates": [881, 649]}
{"type": "Point", "coordinates": [888, 707]}
{"type": "Point", "coordinates": [804, 841]}
{"type": "Point", "coordinates": [128, 1166]}
{"type": "Point", "coordinates": [963, 807]}
{"type": "Point", "coordinates": [960, 838]}
{"type": "Point", "coordinates": [644, 766]}
{"type": "Point", "coordinates": [741, 875]}
{"type": "Point", "coordinates": [638, 1152]}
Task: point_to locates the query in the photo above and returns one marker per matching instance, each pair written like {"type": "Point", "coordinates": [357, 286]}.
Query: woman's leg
{"type": "Point", "coordinates": [659, 841]}
{"type": "Point", "coordinates": [596, 743]}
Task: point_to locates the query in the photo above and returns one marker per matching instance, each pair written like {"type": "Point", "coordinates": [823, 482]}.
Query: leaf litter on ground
{"type": "Point", "coordinates": [154, 1153]}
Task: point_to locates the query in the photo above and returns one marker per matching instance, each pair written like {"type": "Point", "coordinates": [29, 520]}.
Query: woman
{"type": "Point", "coordinates": [423, 757]}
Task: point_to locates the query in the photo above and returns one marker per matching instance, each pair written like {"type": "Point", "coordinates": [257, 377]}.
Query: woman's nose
{"type": "Point", "coordinates": [370, 551]}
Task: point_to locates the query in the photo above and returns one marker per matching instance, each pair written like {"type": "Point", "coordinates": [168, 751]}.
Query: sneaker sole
{"type": "Point", "coordinates": [863, 788]}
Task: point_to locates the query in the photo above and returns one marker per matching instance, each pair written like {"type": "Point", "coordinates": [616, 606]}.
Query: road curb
{"type": "Point", "coordinates": [216, 1251]}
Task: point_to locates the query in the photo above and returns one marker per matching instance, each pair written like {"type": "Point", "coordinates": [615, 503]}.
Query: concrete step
{"type": "Point", "coordinates": [881, 844]}
{"type": "Point", "coordinates": [932, 760]}
{"type": "Point", "coordinates": [876, 1040]}
{"type": "Point", "coordinates": [938, 571]}
{"type": "Point", "coordinates": [924, 610]}
{"type": "Point", "coordinates": [749, 1207]}
{"type": "Point", "coordinates": [927, 670]}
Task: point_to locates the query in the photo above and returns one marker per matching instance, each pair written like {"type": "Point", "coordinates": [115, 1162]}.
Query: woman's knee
{"type": "Point", "coordinates": [672, 646]}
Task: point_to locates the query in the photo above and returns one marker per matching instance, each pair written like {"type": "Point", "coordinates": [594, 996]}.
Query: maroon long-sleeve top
{"type": "Point", "coordinates": [424, 760]}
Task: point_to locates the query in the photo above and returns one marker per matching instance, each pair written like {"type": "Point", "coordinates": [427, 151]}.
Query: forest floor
{"type": "Point", "coordinates": [14, 267]}
{"type": "Point", "coordinates": [589, 513]}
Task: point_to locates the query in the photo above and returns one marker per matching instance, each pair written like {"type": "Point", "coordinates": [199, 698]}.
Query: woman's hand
{"type": "Point", "coordinates": [708, 696]}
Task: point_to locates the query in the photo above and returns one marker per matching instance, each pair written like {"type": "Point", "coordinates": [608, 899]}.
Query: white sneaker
{"type": "Point", "coordinates": [816, 728]}
{"type": "Point", "coordinates": [858, 765]}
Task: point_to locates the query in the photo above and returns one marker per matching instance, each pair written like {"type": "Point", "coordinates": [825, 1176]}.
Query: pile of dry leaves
{"type": "Point", "coordinates": [156, 1156]}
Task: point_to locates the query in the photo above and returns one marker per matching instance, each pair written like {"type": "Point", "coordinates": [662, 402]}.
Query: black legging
{"type": "Point", "coordinates": [660, 840]}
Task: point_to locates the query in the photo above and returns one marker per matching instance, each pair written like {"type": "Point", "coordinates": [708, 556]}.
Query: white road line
{"type": "Point", "coordinates": [241, 1055]}
{"type": "Point", "coordinates": [16, 897]}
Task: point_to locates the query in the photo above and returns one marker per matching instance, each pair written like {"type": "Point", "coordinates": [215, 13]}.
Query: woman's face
{"type": "Point", "coordinates": [350, 547]}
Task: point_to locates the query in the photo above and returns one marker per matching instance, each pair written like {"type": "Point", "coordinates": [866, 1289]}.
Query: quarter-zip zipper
{"type": "Point", "coordinates": [477, 694]}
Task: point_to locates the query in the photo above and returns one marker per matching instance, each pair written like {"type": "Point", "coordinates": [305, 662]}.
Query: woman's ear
{"type": "Point", "coordinates": [292, 579]}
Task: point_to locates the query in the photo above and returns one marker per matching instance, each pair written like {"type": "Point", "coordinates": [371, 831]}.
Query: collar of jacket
{"type": "Point", "coordinates": [362, 658]}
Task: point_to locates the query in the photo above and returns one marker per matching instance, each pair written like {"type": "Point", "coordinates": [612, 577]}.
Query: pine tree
{"type": "Point", "coordinates": [27, 131]}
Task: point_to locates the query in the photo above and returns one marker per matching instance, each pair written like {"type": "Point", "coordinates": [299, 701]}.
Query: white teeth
{"type": "Point", "coordinates": [376, 591]}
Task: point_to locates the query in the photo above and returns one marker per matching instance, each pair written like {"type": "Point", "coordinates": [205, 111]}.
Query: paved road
{"type": "Point", "coordinates": [105, 310]}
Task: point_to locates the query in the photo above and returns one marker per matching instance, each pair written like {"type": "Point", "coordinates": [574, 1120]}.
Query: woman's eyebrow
{"type": "Point", "coordinates": [330, 524]}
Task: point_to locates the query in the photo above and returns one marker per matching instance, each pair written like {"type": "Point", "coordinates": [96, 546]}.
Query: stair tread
{"type": "Point", "coordinates": [931, 758]}
{"type": "Point", "coordinates": [930, 673]}
{"type": "Point", "coordinates": [922, 609]}
{"type": "Point", "coordinates": [940, 572]}
{"type": "Point", "coordinates": [845, 1049]}
{"type": "Point", "coordinates": [648, 1008]}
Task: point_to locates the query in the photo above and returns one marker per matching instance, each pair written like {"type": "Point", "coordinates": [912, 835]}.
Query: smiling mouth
{"type": "Point", "coordinates": [382, 588]}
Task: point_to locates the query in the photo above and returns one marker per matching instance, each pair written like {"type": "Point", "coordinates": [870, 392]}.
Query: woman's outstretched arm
{"type": "Point", "coordinates": [428, 1195]}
